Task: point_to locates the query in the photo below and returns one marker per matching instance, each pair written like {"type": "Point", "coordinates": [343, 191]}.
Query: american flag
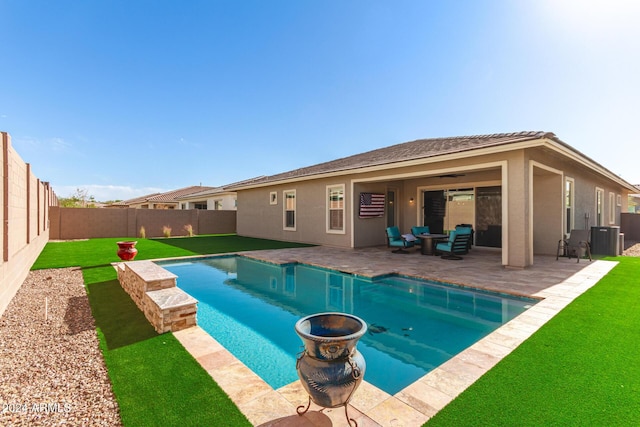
{"type": "Point", "coordinates": [371, 205]}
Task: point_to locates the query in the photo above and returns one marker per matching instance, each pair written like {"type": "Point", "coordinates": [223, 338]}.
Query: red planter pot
{"type": "Point", "coordinates": [127, 250]}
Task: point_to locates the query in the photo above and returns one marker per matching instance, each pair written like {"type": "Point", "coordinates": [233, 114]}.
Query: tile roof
{"type": "Point", "coordinates": [135, 200]}
{"type": "Point", "coordinates": [413, 150]}
{"type": "Point", "coordinates": [219, 190]}
{"type": "Point", "coordinates": [168, 197]}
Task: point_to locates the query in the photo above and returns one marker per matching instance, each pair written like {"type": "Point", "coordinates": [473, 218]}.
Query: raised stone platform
{"type": "Point", "coordinates": [154, 291]}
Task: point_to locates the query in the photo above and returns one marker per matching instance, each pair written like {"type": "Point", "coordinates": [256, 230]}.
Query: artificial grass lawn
{"type": "Point", "coordinates": [578, 369]}
{"type": "Point", "coordinates": [581, 368]}
{"type": "Point", "coordinates": [155, 380]}
{"type": "Point", "coordinates": [102, 252]}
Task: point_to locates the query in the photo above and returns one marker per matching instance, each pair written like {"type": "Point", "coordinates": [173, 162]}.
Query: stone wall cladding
{"type": "Point", "coordinates": [154, 291]}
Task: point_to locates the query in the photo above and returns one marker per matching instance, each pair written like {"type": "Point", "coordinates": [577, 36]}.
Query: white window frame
{"type": "Point", "coordinates": [612, 208]}
{"type": "Point", "coordinates": [329, 208]}
{"type": "Point", "coordinates": [285, 193]}
{"type": "Point", "coordinates": [618, 200]}
{"type": "Point", "coordinates": [572, 205]}
{"type": "Point", "coordinates": [599, 207]}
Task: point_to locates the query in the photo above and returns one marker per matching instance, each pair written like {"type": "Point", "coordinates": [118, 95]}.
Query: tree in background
{"type": "Point", "coordinates": [79, 199]}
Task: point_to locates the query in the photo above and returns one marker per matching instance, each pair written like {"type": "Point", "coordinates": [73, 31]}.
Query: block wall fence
{"type": "Point", "coordinates": [24, 208]}
{"type": "Point", "coordinates": [87, 223]}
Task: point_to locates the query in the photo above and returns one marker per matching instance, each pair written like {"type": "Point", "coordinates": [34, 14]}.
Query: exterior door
{"type": "Point", "coordinates": [435, 208]}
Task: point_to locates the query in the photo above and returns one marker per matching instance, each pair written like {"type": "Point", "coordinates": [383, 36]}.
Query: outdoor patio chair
{"type": "Point", "coordinates": [466, 229]}
{"type": "Point", "coordinates": [576, 245]}
{"type": "Point", "coordinates": [400, 241]}
{"type": "Point", "coordinates": [458, 244]}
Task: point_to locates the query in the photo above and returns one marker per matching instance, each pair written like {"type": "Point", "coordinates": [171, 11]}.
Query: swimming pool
{"type": "Point", "coordinates": [251, 307]}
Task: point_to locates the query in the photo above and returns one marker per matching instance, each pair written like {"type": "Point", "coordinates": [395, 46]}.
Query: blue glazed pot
{"type": "Point", "coordinates": [330, 367]}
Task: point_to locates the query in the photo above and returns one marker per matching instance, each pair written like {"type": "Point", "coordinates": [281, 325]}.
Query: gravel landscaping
{"type": "Point", "coordinates": [51, 367]}
{"type": "Point", "coordinates": [631, 249]}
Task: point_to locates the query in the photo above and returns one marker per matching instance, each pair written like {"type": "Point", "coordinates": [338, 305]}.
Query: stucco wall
{"type": "Point", "coordinates": [83, 223]}
{"type": "Point", "coordinates": [532, 182]}
{"type": "Point", "coordinates": [25, 229]}
{"type": "Point", "coordinates": [258, 217]}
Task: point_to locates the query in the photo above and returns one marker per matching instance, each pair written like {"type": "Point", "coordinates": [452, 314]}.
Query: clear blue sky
{"type": "Point", "coordinates": [126, 98]}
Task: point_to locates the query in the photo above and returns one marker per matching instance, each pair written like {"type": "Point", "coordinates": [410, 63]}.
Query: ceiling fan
{"type": "Point", "coordinates": [451, 175]}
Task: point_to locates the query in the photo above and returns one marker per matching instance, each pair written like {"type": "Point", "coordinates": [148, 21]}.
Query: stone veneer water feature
{"type": "Point", "coordinates": [154, 291]}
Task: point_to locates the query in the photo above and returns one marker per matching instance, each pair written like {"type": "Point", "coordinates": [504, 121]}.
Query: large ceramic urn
{"type": "Point", "coordinates": [127, 250]}
{"type": "Point", "coordinates": [330, 368]}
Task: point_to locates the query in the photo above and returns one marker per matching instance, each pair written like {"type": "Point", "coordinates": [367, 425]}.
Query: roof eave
{"type": "Point", "coordinates": [507, 146]}
{"type": "Point", "coordinates": [549, 140]}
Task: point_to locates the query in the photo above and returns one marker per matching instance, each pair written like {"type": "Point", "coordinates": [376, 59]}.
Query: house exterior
{"type": "Point", "coordinates": [167, 200]}
{"type": "Point", "coordinates": [216, 199]}
{"type": "Point", "coordinates": [521, 192]}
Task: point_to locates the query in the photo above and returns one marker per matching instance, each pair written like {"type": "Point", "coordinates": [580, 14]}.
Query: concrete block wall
{"type": "Point", "coordinates": [24, 213]}
{"type": "Point", "coordinates": [83, 223]}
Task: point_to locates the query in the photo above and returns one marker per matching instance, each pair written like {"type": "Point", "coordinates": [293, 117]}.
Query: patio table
{"type": "Point", "coordinates": [427, 242]}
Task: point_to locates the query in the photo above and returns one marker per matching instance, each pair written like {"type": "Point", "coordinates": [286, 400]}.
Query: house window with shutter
{"type": "Point", "coordinates": [289, 197]}
{"type": "Point", "coordinates": [335, 209]}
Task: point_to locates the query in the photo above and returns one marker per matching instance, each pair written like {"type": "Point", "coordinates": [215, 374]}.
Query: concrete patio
{"type": "Point", "coordinates": [556, 283]}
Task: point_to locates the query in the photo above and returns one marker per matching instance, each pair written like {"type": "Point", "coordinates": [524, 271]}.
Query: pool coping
{"type": "Point", "coordinates": [370, 406]}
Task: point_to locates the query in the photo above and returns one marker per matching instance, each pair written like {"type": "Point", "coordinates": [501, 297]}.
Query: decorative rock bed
{"type": "Point", "coordinates": [51, 368]}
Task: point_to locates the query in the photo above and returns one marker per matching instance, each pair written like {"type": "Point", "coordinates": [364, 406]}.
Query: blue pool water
{"type": "Point", "coordinates": [251, 307]}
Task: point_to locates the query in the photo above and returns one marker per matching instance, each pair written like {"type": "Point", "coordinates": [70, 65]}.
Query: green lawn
{"type": "Point", "coordinates": [580, 369]}
{"type": "Point", "coordinates": [155, 380]}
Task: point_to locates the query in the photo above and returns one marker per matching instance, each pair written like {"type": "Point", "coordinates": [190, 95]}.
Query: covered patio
{"type": "Point", "coordinates": [518, 215]}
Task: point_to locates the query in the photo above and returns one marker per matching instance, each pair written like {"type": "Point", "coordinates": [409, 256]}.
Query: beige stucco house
{"type": "Point", "coordinates": [522, 192]}
{"type": "Point", "coordinates": [217, 199]}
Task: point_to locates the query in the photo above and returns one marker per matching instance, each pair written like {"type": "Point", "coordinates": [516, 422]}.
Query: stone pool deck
{"type": "Point", "coordinates": [556, 283]}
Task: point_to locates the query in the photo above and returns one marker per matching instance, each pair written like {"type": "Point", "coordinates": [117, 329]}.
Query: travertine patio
{"type": "Point", "coordinates": [556, 283]}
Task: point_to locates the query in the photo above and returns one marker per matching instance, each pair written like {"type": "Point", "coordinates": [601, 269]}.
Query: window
{"type": "Point", "coordinates": [569, 200]}
{"type": "Point", "coordinates": [599, 207]}
{"type": "Point", "coordinates": [612, 208]}
{"type": "Point", "coordinates": [200, 205]}
{"type": "Point", "coordinates": [335, 209]}
{"type": "Point", "coordinates": [289, 209]}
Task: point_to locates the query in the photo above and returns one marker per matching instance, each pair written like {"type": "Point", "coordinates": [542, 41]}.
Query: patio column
{"type": "Point", "coordinates": [516, 230]}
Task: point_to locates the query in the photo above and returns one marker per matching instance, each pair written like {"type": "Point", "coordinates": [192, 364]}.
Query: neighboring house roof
{"type": "Point", "coordinates": [134, 201]}
{"type": "Point", "coordinates": [223, 190]}
{"type": "Point", "coordinates": [171, 196]}
{"type": "Point", "coordinates": [423, 149]}
{"type": "Point", "coordinates": [168, 197]}
{"type": "Point", "coordinates": [218, 191]}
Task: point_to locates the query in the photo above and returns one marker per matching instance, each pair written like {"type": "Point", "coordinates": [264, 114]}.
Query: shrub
{"type": "Point", "coordinates": [143, 233]}
{"type": "Point", "coordinates": [166, 230]}
{"type": "Point", "coordinates": [189, 230]}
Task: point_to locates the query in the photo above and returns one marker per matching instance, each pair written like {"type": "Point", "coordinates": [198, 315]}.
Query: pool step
{"type": "Point", "coordinates": [154, 291]}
